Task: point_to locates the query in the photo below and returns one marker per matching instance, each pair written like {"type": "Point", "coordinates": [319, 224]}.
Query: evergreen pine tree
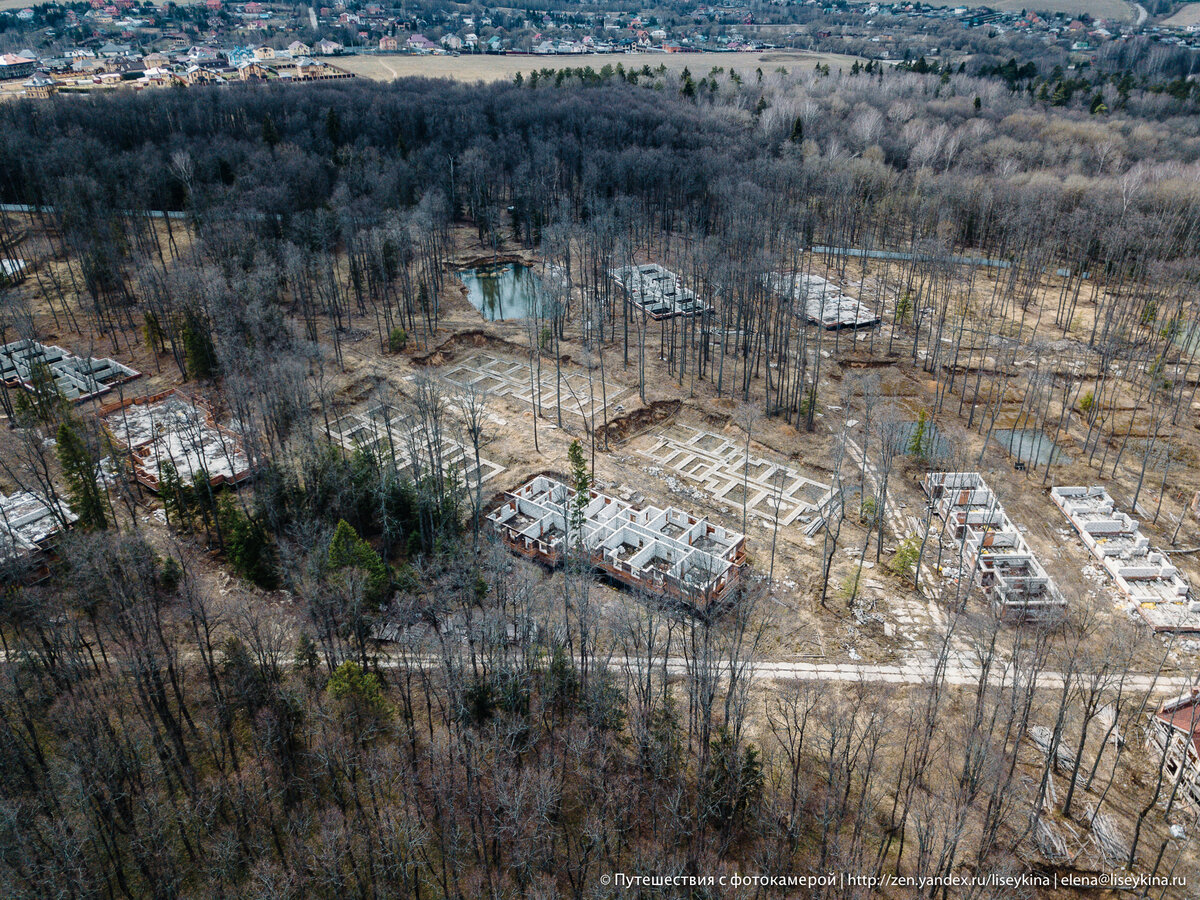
{"type": "Point", "coordinates": [797, 131]}
{"type": "Point", "coordinates": [79, 470]}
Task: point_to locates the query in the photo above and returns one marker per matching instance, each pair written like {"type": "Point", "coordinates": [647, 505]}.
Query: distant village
{"type": "Point", "coordinates": [56, 47]}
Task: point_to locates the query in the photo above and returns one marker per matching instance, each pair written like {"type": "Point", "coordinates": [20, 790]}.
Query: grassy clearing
{"type": "Point", "coordinates": [503, 68]}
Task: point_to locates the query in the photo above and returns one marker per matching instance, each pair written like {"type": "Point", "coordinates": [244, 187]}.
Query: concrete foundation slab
{"type": "Point", "coordinates": [392, 435]}
{"type": "Point", "coordinates": [568, 389]}
{"type": "Point", "coordinates": [721, 467]}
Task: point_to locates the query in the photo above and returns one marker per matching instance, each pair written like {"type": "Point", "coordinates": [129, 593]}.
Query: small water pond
{"type": "Point", "coordinates": [506, 291]}
{"type": "Point", "coordinates": [1030, 445]}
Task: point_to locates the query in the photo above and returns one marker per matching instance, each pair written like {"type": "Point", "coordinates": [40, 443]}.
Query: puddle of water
{"type": "Point", "coordinates": [1029, 445]}
{"type": "Point", "coordinates": [1156, 459]}
{"type": "Point", "coordinates": [1188, 340]}
{"type": "Point", "coordinates": [508, 291]}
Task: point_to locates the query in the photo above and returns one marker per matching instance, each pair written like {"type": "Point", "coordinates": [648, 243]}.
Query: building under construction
{"type": "Point", "coordinates": [171, 429]}
{"type": "Point", "coordinates": [658, 292]}
{"type": "Point", "coordinates": [667, 552]}
{"type": "Point", "coordinates": [29, 524]}
{"type": "Point", "coordinates": [29, 364]}
{"type": "Point", "coordinates": [1008, 571]}
{"type": "Point", "coordinates": [820, 301]}
{"type": "Point", "coordinates": [1143, 573]}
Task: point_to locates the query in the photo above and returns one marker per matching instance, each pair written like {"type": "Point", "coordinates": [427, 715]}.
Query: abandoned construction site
{"type": "Point", "coordinates": [698, 499]}
{"type": "Point", "coordinates": [709, 459]}
{"type": "Point", "coordinates": [995, 544]}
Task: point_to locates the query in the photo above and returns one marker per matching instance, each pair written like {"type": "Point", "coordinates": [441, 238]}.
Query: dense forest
{"type": "Point", "coordinates": [737, 171]}
{"type": "Point", "coordinates": [166, 733]}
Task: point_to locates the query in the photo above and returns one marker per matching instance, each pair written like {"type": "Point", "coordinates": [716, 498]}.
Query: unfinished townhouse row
{"type": "Point", "coordinates": [1009, 573]}
{"type": "Point", "coordinates": [171, 429]}
{"type": "Point", "coordinates": [27, 363]}
{"type": "Point", "coordinates": [663, 551]}
{"type": "Point", "coordinates": [658, 292]}
{"type": "Point", "coordinates": [29, 525]}
{"type": "Point", "coordinates": [820, 301]}
{"type": "Point", "coordinates": [1144, 574]}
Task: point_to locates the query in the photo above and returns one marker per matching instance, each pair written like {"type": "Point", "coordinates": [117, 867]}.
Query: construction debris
{"type": "Point", "coordinates": [171, 429]}
{"type": "Point", "coordinates": [820, 301]}
{"type": "Point", "coordinates": [1009, 573]}
{"type": "Point", "coordinates": [658, 292]}
{"type": "Point", "coordinates": [1108, 839]}
{"type": "Point", "coordinates": [1050, 843]}
{"type": "Point", "coordinates": [664, 551]}
{"type": "Point", "coordinates": [29, 364]}
{"type": "Point", "coordinates": [1143, 573]}
{"type": "Point", "coordinates": [1042, 737]}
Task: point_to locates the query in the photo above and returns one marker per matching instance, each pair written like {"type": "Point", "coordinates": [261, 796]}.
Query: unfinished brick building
{"type": "Point", "coordinates": [1144, 574]}
{"type": "Point", "coordinates": [663, 551]}
{"type": "Point", "coordinates": [29, 525]}
{"type": "Point", "coordinates": [172, 429]}
{"type": "Point", "coordinates": [1009, 572]}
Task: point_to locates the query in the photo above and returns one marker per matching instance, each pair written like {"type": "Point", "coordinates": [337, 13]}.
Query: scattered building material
{"type": "Point", "coordinates": [820, 301]}
{"type": "Point", "coordinates": [27, 363]}
{"type": "Point", "coordinates": [391, 435]}
{"type": "Point", "coordinates": [664, 551]}
{"type": "Point", "coordinates": [658, 292]}
{"type": "Point", "coordinates": [171, 429]}
{"type": "Point", "coordinates": [1009, 572]}
{"type": "Point", "coordinates": [1108, 839]}
{"type": "Point", "coordinates": [1050, 843]}
{"type": "Point", "coordinates": [1143, 573]}
{"type": "Point", "coordinates": [1175, 731]}
{"type": "Point", "coordinates": [28, 525]}
{"type": "Point", "coordinates": [1042, 737]}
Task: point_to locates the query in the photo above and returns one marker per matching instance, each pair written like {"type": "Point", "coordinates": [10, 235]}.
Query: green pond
{"type": "Point", "coordinates": [506, 291]}
{"type": "Point", "coordinates": [1030, 445]}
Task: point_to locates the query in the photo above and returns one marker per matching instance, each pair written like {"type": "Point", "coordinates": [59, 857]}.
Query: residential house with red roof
{"type": "Point", "coordinates": [1176, 732]}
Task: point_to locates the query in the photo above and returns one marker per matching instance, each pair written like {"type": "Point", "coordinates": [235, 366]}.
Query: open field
{"type": "Point", "coordinates": [502, 68]}
{"type": "Point", "coordinates": [1117, 10]}
{"type": "Point", "coordinates": [1188, 14]}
